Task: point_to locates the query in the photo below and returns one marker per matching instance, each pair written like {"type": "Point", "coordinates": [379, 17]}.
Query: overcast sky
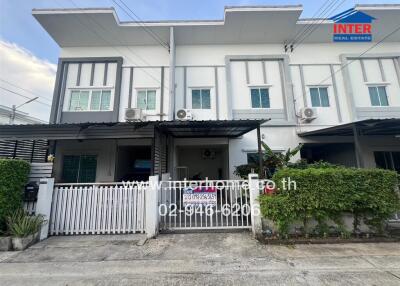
{"type": "Point", "coordinates": [28, 55]}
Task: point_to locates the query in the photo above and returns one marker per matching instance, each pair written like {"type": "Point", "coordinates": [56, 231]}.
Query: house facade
{"type": "Point", "coordinates": [192, 99]}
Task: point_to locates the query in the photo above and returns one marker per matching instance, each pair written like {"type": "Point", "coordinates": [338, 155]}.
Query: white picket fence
{"type": "Point", "coordinates": [98, 208]}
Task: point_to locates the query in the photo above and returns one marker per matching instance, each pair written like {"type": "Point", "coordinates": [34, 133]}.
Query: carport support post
{"type": "Point", "coordinates": [256, 224]}
{"type": "Point", "coordinates": [357, 147]}
{"type": "Point", "coordinates": [151, 206]}
{"type": "Point", "coordinates": [43, 204]}
{"type": "Point", "coordinates": [260, 161]}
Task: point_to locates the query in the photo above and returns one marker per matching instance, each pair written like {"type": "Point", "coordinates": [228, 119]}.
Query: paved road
{"type": "Point", "coordinates": [198, 259]}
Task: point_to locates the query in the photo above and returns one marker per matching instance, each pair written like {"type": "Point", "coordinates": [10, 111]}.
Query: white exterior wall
{"type": "Point", "coordinates": [196, 66]}
{"type": "Point", "coordinates": [200, 62]}
{"type": "Point", "coordinates": [373, 77]}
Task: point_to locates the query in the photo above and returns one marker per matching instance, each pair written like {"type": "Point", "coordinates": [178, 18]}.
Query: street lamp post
{"type": "Point", "coordinates": [14, 109]}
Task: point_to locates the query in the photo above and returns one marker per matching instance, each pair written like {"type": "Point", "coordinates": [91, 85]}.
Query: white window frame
{"type": "Point", "coordinates": [91, 89]}
{"type": "Point", "coordinates": [318, 87]}
{"type": "Point", "coordinates": [201, 98]}
{"type": "Point", "coordinates": [147, 89]}
{"type": "Point", "coordinates": [376, 85]}
{"type": "Point", "coordinates": [260, 86]}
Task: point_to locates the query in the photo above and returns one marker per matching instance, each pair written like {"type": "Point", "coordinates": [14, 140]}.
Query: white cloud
{"type": "Point", "coordinates": [23, 69]}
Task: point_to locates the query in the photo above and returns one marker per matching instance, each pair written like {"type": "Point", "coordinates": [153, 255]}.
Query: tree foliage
{"type": "Point", "coordinates": [13, 177]}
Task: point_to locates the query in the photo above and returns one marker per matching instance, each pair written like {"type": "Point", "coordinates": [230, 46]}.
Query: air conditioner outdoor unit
{"type": "Point", "coordinates": [308, 114]}
{"type": "Point", "coordinates": [184, 114]}
{"type": "Point", "coordinates": [133, 114]}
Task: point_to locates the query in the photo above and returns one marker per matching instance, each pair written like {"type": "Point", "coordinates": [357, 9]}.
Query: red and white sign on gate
{"type": "Point", "coordinates": [199, 196]}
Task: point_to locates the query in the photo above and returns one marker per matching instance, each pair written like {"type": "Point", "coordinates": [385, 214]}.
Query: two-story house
{"type": "Point", "coordinates": [194, 98]}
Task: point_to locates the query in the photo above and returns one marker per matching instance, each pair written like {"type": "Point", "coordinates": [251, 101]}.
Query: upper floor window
{"type": "Point", "coordinates": [260, 98]}
{"type": "Point", "coordinates": [378, 96]}
{"type": "Point", "coordinates": [201, 99]}
{"type": "Point", "coordinates": [92, 100]}
{"type": "Point", "coordinates": [146, 99]}
{"type": "Point", "coordinates": [319, 97]}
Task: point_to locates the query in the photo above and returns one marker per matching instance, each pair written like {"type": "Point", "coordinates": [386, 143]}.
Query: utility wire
{"type": "Point", "coordinates": [332, 9]}
{"type": "Point", "coordinates": [319, 18]}
{"type": "Point", "coordinates": [363, 53]}
{"type": "Point", "coordinates": [24, 96]}
{"type": "Point", "coordinates": [112, 44]}
{"type": "Point", "coordinates": [324, 16]}
{"type": "Point", "coordinates": [360, 55]}
{"type": "Point", "coordinates": [27, 90]}
{"type": "Point", "coordinates": [139, 21]}
{"type": "Point", "coordinates": [307, 26]}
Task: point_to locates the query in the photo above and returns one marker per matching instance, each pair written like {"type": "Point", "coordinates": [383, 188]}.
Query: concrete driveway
{"type": "Point", "coordinates": [198, 259]}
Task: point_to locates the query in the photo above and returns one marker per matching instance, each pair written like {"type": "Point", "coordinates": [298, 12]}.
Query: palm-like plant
{"type": "Point", "coordinates": [20, 224]}
{"type": "Point", "coordinates": [271, 161]}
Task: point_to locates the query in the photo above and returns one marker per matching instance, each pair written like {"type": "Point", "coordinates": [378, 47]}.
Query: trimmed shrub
{"type": "Point", "coordinates": [327, 193]}
{"type": "Point", "coordinates": [13, 177]}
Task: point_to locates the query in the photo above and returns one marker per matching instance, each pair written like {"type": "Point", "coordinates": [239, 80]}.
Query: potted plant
{"type": "Point", "coordinates": [5, 241]}
{"type": "Point", "coordinates": [24, 229]}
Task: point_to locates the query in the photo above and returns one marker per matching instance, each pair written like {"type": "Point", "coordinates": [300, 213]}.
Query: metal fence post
{"type": "Point", "coordinates": [256, 224]}
{"type": "Point", "coordinates": [43, 205]}
{"type": "Point", "coordinates": [152, 207]}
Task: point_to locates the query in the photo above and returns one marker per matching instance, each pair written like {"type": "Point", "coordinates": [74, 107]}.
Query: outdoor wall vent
{"type": "Point", "coordinates": [133, 114]}
{"type": "Point", "coordinates": [184, 114]}
{"type": "Point", "coordinates": [308, 114]}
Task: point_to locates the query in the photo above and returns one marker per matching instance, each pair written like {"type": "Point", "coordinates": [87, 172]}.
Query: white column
{"type": "Point", "coordinates": [256, 224]}
{"type": "Point", "coordinates": [171, 110]}
{"type": "Point", "coordinates": [165, 177]}
{"type": "Point", "coordinates": [152, 207]}
{"type": "Point", "coordinates": [43, 204]}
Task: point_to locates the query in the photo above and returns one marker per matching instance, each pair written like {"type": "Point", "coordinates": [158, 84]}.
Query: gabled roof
{"type": "Point", "coordinates": [352, 16]}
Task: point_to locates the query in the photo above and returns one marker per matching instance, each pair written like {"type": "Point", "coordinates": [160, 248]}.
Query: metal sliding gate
{"type": "Point", "coordinates": [98, 208]}
{"type": "Point", "coordinates": [225, 205]}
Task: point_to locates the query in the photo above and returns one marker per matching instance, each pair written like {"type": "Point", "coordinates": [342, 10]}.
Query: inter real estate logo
{"type": "Point", "coordinates": [352, 26]}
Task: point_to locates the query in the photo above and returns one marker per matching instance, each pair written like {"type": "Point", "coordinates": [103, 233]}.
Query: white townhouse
{"type": "Point", "coordinates": [10, 116]}
{"type": "Point", "coordinates": [194, 98]}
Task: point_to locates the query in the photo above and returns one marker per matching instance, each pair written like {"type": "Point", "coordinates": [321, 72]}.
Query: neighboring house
{"type": "Point", "coordinates": [230, 76]}
{"type": "Point", "coordinates": [27, 149]}
{"type": "Point", "coordinates": [20, 117]}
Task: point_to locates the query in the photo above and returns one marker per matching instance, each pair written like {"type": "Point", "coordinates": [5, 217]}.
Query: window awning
{"type": "Point", "coordinates": [181, 129]}
{"type": "Point", "coordinates": [365, 127]}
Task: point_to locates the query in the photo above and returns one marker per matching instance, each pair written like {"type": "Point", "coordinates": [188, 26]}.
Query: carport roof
{"type": "Point", "coordinates": [110, 130]}
{"type": "Point", "coordinates": [365, 127]}
{"type": "Point", "coordinates": [209, 128]}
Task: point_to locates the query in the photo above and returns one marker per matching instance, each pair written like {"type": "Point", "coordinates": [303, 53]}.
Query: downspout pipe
{"type": "Point", "coordinates": [172, 53]}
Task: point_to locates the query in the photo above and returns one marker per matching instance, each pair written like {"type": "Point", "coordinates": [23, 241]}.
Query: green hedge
{"type": "Point", "coordinates": [13, 177]}
{"type": "Point", "coordinates": [328, 193]}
